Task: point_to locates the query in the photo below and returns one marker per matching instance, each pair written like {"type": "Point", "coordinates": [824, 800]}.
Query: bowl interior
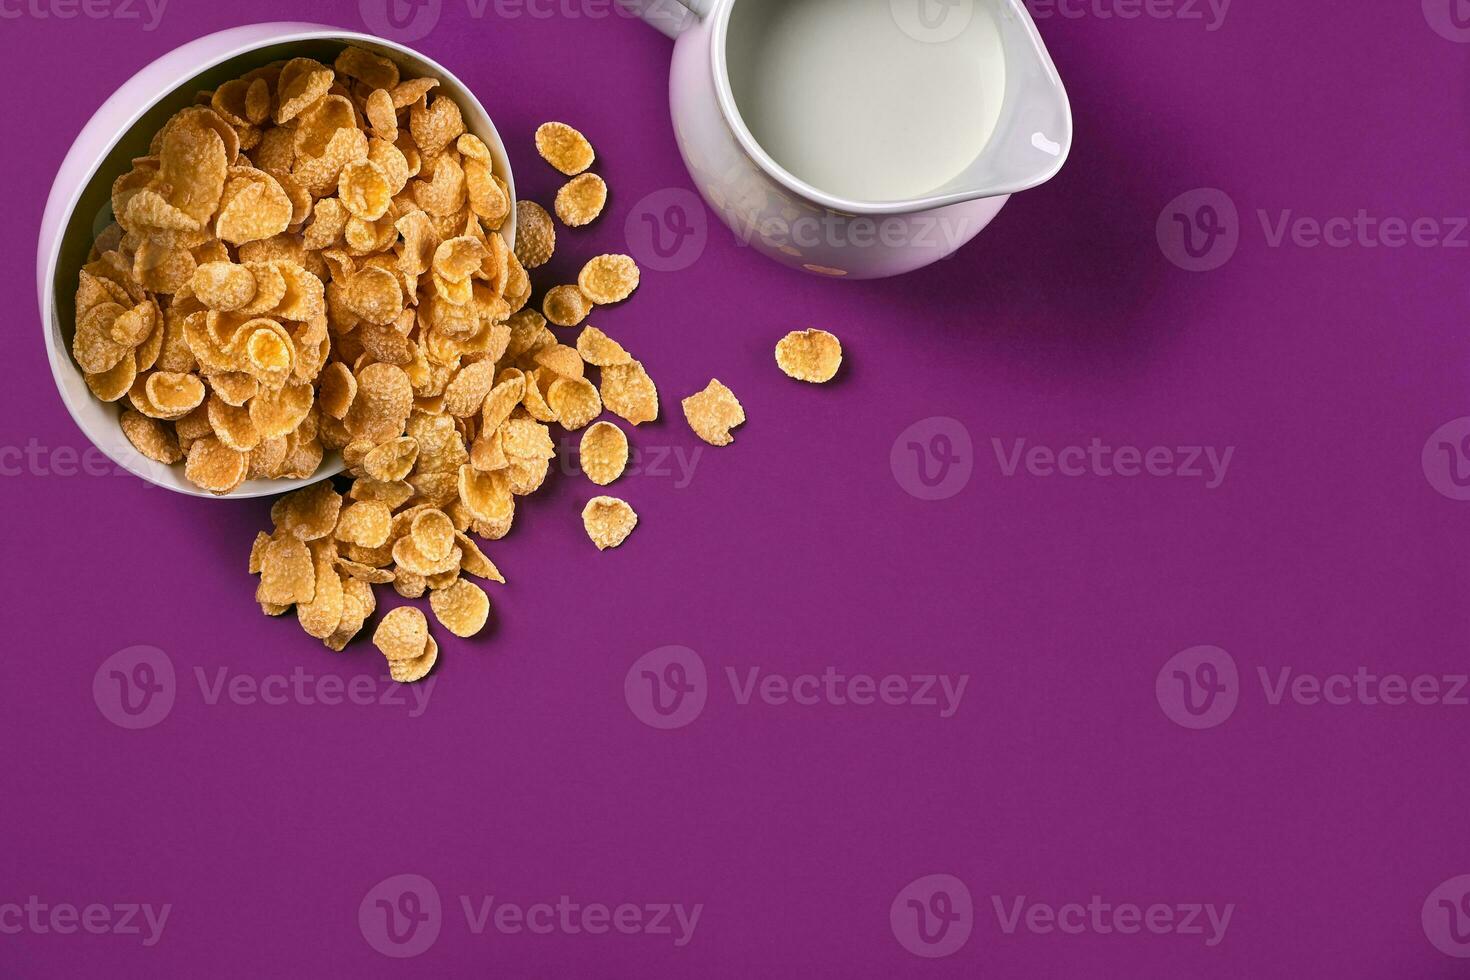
{"type": "Point", "coordinates": [92, 213]}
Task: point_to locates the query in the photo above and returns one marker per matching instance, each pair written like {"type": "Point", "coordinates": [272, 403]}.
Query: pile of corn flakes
{"type": "Point", "coordinates": [309, 260]}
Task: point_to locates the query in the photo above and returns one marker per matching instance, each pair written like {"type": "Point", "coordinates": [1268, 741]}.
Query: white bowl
{"type": "Point", "coordinates": [80, 202]}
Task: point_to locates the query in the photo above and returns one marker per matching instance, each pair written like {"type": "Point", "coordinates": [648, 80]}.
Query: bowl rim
{"type": "Point", "coordinates": [235, 42]}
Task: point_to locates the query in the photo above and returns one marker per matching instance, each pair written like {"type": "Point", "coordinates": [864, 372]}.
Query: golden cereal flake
{"type": "Point", "coordinates": [809, 355]}
{"type": "Point", "coordinates": [564, 148]}
{"type": "Point", "coordinates": [213, 466]}
{"type": "Point", "coordinates": [629, 393]}
{"type": "Point", "coordinates": [713, 412]}
{"type": "Point", "coordinates": [152, 438]}
{"type": "Point", "coordinates": [535, 235]}
{"type": "Point", "coordinates": [410, 671]}
{"type": "Point", "coordinates": [581, 200]}
{"type": "Point", "coordinates": [603, 453]}
{"type": "Point", "coordinates": [608, 279]}
{"type": "Point", "coordinates": [402, 634]}
{"type": "Point", "coordinates": [566, 306]}
{"type": "Point", "coordinates": [608, 521]}
{"type": "Point", "coordinates": [462, 607]}
{"type": "Point", "coordinates": [600, 350]}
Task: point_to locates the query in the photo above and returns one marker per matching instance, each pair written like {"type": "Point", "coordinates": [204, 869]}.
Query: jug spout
{"type": "Point", "coordinates": [1033, 133]}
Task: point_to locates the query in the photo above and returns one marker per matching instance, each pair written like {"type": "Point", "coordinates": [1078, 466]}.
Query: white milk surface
{"type": "Point", "coordinates": [847, 99]}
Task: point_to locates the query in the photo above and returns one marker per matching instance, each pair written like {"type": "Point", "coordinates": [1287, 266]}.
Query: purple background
{"type": "Point", "coordinates": [528, 777]}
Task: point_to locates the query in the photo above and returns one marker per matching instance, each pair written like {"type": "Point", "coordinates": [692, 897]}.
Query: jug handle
{"type": "Point", "coordinates": [670, 17]}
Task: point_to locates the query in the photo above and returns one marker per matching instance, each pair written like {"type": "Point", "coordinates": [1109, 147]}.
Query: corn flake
{"type": "Point", "coordinates": [461, 607]}
{"type": "Point", "coordinates": [309, 513]}
{"type": "Point", "coordinates": [566, 306]}
{"type": "Point", "coordinates": [564, 148]}
{"type": "Point", "coordinates": [151, 437]}
{"type": "Point", "coordinates": [603, 453]}
{"type": "Point", "coordinates": [629, 393]}
{"type": "Point", "coordinates": [433, 534]}
{"type": "Point", "coordinates": [402, 634]}
{"type": "Point", "coordinates": [609, 279]}
{"type": "Point", "coordinates": [321, 616]}
{"type": "Point", "coordinates": [809, 355]}
{"type": "Point", "coordinates": [600, 350]}
{"type": "Point", "coordinates": [366, 523]}
{"type": "Point", "coordinates": [713, 412]}
{"type": "Point", "coordinates": [535, 235]}
{"type": "Point", "coordinates": [608, 521]}
{"type": "Point", "coordinates": [581, 200]}
{"type": "Point", "coordinates": [411, 671]}
{"type": "Point", "coordinates": [473, 560]}
{"type": "Point", "coordinates": [574, 401]}
{"type": "Point", "coordinates": [287, 572]}
{"type": "Point", "coordinates": [364, 189]}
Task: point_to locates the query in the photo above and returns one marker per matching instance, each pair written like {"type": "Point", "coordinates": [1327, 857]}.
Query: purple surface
{"type": "Point", "coordinates": [1328, 829]}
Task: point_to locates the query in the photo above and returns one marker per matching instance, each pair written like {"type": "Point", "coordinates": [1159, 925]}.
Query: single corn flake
{"type": "Point", "coordinates": [366, 523]}
{"type": "Point", "coordinates": [410, 671]}
{"type": "Point", "coordinates": [365, 190]}
{"type": "Point", "coordinates": [486, 496]}
{"type": "Point", "coordinates": [471, 147]}
{"type": "Point", "coordinates": [358, 604]}
{"type": "Point", "coordinates": [560, 360]}
{"type": "Point", "coordinates": [435, 124]}
{"type": "Point", "coordinates": [608, 521]}
{"type": "Point", "coordinates": [581, 200]}
{"type": "Point", "coordinates": [257, 551]}
{"type": "Point", "coordinates": [473, 561]}
{"type": "Point", "coordinates": [408, 584]}
{"type": "Point", "coordinates": [600, 350]}
{"type": "Point", "coordinates": [402, 634]}
{"type": "Point", "coordinates": [302, 82]}
{"type": "Point", "coordinates": [381, 116]}
{"type": "Point", "coordinates": [462, 607]}
{"type": "Point", "coordinates": [337, 387]}
{"type": "Point", "coordinates": [174, 394]}
{"type": "Point", "coordinates": [603, 453]}
{"type": "Point", "coordinates": [112, 384]}
{"type": "Point", "coordinates": [323, 614]}
{"type": "Point", "coordinates": [372, 70]}
{"type": "Point", "coordinates": [535, 235]}
{"type": "Point", "coordinates": [151, 437]}
{"type": "Point", "coordinates": [258, 210]}
{"type": "Point", "coordinates": [287, 572]}
{"type": "Point", "coordinates": [809, 355]}
{"type": "Point", "coordinates": [489, 197]}
{"type": "Point", "coordinates": [629, 393]}
{"type": "Point", "coordinates": [374, 294]}
{"type": "Point", "coordinates": [309, 513]}
{"type": "Point", "coordinates": [456, 259]}
{"type": "Point", "coordinates": [564, 148]}
{"type": "Point", "coordinates": [433, 532]}
{"type": "Point", "coordinates": [394, 493]}
{"type": "Point", "coordinates": [408, 557]}
{"type": "Point", "coordinates": [608, 279]}
{"type": "Point", "coordinates": [223, 285]}
{"type": "Point", "coordinates": [566, 306]}
{"type": "Point", "coordinates": [213, 466]}
{"type": "Point", "coordinates": [392, 460]}
{"type": "Point", "coordinates": [406, 93]}
{"type": "Point", "coordinates": [713, 412]}
{"type": "Point", "coordinates": [465, 395]}
{"type": "Point", "coordinates": [575, 402]}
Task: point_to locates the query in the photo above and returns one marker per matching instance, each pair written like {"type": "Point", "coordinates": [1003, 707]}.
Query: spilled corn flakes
{"type": "Point", "coordinates": [309, 260]}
